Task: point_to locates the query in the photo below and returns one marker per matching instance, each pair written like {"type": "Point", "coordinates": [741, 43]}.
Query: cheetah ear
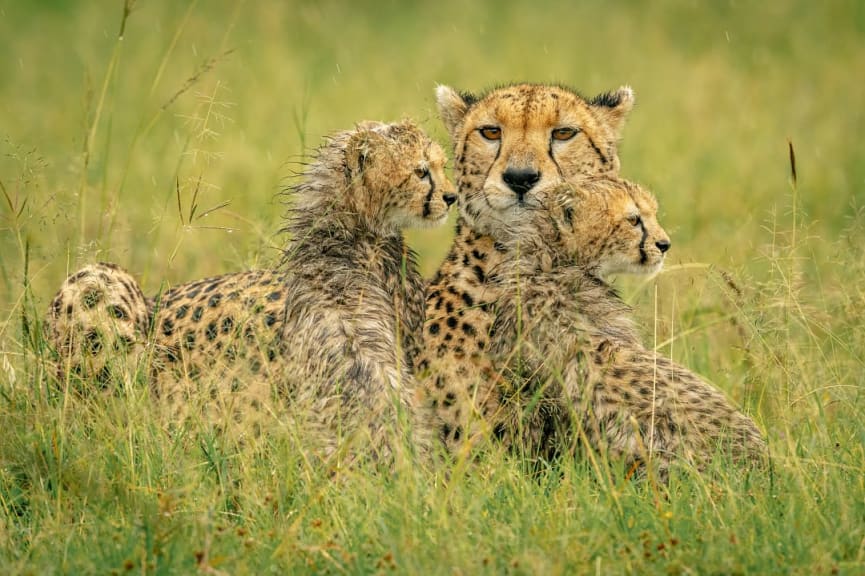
{"type": "Point", "coordinates": [614, 106]}
{"type": "Point", "coordinates": [358, 150]}
{"type": "Point", "coordinates": [452, 107]}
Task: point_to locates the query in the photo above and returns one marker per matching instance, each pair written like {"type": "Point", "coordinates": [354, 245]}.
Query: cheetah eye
{"type": "Point", "coordinates": [422, 173]}
{"type": "Point", "coordinates": [566, 133]}
{"type": "Point", "coordinates": [491, 132]}
{"type": "Point", "coordinates": [634, 219]}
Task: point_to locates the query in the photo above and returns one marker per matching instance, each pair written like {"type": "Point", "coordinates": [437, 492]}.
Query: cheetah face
{"type": "Point", "coordinates": [401, 173]}
{"type": "Point", "coordinates": [610, 226]}
{"type": "Point", "coordinates": [515, 142]}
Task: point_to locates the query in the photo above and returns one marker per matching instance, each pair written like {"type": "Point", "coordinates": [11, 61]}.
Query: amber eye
{"type": "Point", "coordinates": [563, 134]}
{"type": "Point", "coordinates": [421, 173]}
{"type": "Point", "coordinates": [491, 132]}
{"type": "Point", "coordinates": [634, 219]}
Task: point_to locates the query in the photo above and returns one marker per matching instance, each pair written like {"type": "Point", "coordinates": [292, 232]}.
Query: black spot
{"type": "Point", "coordinates": [479, 255]}
{"type": "Point", "coordinates": [77, 277]}
{"type": "Point", "coordinates": [452, 322]}
{"type": "Point", "coordinates": [227, 324]}
{"type": "Point", "coordinates": [214, 300]}
{"type": "Point", "coordinates": [440, 381]}
{"type": "Point", "coordinates": [479, 272]}
{"type": "Point", "coordinates": [91, 298]}
{"type": "Point", "coordinates": [466, 260]}
{"type": "Point", "coordinates": [124, 343]}
{"type": "Point", "coordinates": [269, 319]}
{"type": "Point", "coordinates": [271, 354]}
{"type": "Point", "coordinates": [192, 294]}
{"type": "Point", "coordinates": [93, 342]}
{"type": "Point", "coordinates": [168, 327]}
{"type": "Point", "coordinates": [196, 314]}
{"type": "Point", "coordinates": [434, 328]}
{"type": "Point", "coordinates": [181, 311]}
{"type": "Point", "coordinates": [69, 309]}
{"type": "Point", "coordinates": [210, 332]}
{"type": "Point", "coordinates": [172, 354]}
{"type": "Point", "coordinates": [449, 308]}
{"type": "Point", "coordinates": [458, 432]}
{"type": "Point", "coordinates": [273, 296]}
{"type": "Point", "coordinates": [469, 329]}
{"type": "Point", "coordinates": [467, 299]}
{"type": "Point", "coordinates": [450, 400]}
{"type": "Point", "coordinates": [449, 337]}
{"type": "Point", "coordinates": [499, 431]}
{"type": "Point", "coordinates": [118, 312]}
{"type": "Point", "coordinates": [500, 247]}
{"type": "Point", "coordinates": [446, 431]}
{"type": "Point", "coordinates": [189, 340]}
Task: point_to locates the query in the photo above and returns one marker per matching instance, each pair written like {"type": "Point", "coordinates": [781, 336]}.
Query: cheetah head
{"type": "Point", "coordinates": [396, 177]}
{"type": "Point", "coordinates": [609, 225]}
{"type": "Point", "coordinates": [514, 142]}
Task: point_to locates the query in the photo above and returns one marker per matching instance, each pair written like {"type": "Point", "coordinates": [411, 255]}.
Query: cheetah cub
{"type": "Point", "coordinates": [330, 335]}
{"type": "Point", "coordinates": [578, 370]}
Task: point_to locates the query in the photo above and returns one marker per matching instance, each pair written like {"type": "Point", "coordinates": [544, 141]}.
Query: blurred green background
{"type": "Point", "coordinates": [721, 87]}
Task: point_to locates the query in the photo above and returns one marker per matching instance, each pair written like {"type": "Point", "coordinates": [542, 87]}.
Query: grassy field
{"type": "Point", "coordinates": [105, 139]}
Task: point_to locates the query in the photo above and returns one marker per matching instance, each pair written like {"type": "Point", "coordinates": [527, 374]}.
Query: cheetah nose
{"type": "Point", "coordinates": [521, 181]}
{"type": "Point", "coordinates": [449, 198]}
{"type": "Point", "coordinates": [663, 245]}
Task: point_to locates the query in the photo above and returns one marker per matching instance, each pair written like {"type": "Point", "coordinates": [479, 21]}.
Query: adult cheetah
{"type": "Point", "coordinates": [511, 145]}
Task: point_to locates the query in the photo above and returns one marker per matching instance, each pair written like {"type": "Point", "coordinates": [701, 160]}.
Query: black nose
{"type": "Point", "coordinates": [449, 198]}
{"type": "Point", "coordinates": [521, 181]}
{"type": "Point", "coordinates": [663, 245]}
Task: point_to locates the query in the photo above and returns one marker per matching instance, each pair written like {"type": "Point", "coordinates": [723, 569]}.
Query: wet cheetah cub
{"type": "Point", "coordinates": [578, 371]}
{"type": "Point", "coordinates": [332, 333]}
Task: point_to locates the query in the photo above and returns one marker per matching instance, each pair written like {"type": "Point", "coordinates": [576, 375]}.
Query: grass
{"type": "Point", "coordinates": [165, 151]}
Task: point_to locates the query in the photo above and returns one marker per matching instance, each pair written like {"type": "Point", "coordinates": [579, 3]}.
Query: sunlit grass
{"type": "Point", "coordinates": [166, 152]}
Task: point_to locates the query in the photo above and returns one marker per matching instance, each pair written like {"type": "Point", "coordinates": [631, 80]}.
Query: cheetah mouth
{"type": "Point", "coordinates": [509, 202]}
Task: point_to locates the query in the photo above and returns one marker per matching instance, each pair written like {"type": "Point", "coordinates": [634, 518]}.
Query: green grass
{"type": "Point", "coordinates": [104, 142]}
